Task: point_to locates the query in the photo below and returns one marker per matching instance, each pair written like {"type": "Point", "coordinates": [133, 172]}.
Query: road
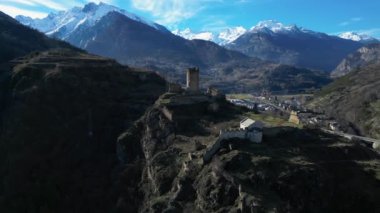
{"type": "Point", "coordinates": [349, 136]}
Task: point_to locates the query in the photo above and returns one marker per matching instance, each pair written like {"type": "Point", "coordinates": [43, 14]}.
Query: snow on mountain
{"type": "Point", "coordinates": [358, 37]}
{"type": "Point", "coordinates": [188, 34]}
{"type": "Point", "coordinates": [231, 34]}
{"type": "Point", "coordinates": [65, 22]}
{"type": "Point", "coordinates": [275, 27]}
{"type": "Point", "coordinates": [222, 38]}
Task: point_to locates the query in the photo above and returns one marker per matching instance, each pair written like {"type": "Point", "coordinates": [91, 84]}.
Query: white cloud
{"type": "Point", "coordinates": [25, 2]}
{"type": "Point", "coordinates": [215, 25]}
{"type": "Point", "coordinates": [375, 32]}
{"type": "Point", "coordinates": [14, 11]}
{"type": "Point", "coordinates": [98, 1]}
{"type": "Point", "coordinates": [51, 4]}
{"type": "Point", "coordinates": [171, 12]}
{"type": "Point", "coordinates": [351, 21]}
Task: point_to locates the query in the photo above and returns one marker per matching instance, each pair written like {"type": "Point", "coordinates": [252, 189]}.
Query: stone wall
{"type": "Point", "coordinates": [168, 114]}
{"type": "Point", "coordinates": [174, 88]}
{"type": "Point", "coordinates": [226, 135]}
{"type": "Point", "coordinates": [233, 133]}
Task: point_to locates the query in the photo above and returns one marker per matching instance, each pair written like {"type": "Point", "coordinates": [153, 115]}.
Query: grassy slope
{"type": "Point", "coordinates": [354, 99]}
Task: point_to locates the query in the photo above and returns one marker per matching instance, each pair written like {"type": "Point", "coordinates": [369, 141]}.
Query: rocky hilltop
{"type": "Point", "coordinates": [63, 113]}
{"type": "Point", "coordinates": [292, 170]}
{"type": "Point", "coordinates": [364, 56]}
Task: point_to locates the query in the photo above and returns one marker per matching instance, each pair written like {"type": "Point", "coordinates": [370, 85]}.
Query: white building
{"type": "Point", "coordinates": [245, 123]}
{"type": "Point", "coordinates": [253, 129]}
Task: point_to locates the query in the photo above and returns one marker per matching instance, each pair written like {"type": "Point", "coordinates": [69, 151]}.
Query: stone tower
{"type": "Point", "coordinates": [192, 77]}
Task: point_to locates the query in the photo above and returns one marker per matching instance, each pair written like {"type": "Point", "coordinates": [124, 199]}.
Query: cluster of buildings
{"type": "Point", "coordinates": [313, 120]}
{"type": "Point", "coordinates": [290, 105]}
{"type": "Point", "coordinates": [252, 105]}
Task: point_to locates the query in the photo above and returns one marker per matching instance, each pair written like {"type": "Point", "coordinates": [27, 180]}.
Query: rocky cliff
{"type": "Point", "coordinates": [364, 56]}
{"type": "Point", "coordinates": [293, 170]}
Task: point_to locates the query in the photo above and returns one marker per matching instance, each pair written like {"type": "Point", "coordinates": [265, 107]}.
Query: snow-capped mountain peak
{"type": "Point", "coordinates": [188, 34]}
{"type": "Point", "coordinates": [65, 22]}
{"type": "Point", "coordinates": [274, 26]}
{"type": "Point", "coordinates": [231, 34]}
{"type": "Point", "coordinates": [222, 38]}
{"type": "Point", "coordinates": [357, 37]}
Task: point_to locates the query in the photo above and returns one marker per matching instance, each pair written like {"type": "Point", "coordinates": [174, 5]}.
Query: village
{"type": "Point", "coordinates": [293, 107]}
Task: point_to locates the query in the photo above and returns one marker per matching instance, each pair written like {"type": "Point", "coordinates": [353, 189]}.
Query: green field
{"type": "Point", "coordinates": [270, 120]}
{"type": "Point", "coordinates": [238, 96]}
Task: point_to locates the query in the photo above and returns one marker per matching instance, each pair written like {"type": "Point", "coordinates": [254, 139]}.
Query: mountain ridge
{"type": "Point", "coordinates": [366, 55]}
{"type": "Point", "coordinates": [296, 46]}
{"type": "Point", "coordinates": [354, 100]}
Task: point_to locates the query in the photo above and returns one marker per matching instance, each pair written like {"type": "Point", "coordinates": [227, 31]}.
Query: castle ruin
{"type": "Point", "coordinates": [192, 80]}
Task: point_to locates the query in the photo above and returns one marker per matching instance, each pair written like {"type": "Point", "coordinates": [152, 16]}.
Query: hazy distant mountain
{"type": "Point", "coordinates": [362, 38]}
{"type": "Point", "coordinates": [271, 40]}
{"type": "Point", "coordinates": [369, 54]}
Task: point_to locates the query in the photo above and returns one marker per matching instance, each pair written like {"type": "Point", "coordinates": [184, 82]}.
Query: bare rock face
{"type": "Point", "coordinates": [366, 55]}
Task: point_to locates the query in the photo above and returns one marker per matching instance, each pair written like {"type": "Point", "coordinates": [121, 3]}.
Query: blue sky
{"type": "Point", "coordinates": [329, 16]}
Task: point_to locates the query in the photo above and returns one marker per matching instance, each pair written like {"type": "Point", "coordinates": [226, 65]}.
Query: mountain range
{"type": "Point", "coordinates": [140, 42]}
{"type": "Point", "coordinates": [230, 34]}
{"type": "Point", "coordinates": [108, 31]}
{"type": "Point", "coordinates": [293, 45]}
{"type": "Point", "coordinates": [287, 44]}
